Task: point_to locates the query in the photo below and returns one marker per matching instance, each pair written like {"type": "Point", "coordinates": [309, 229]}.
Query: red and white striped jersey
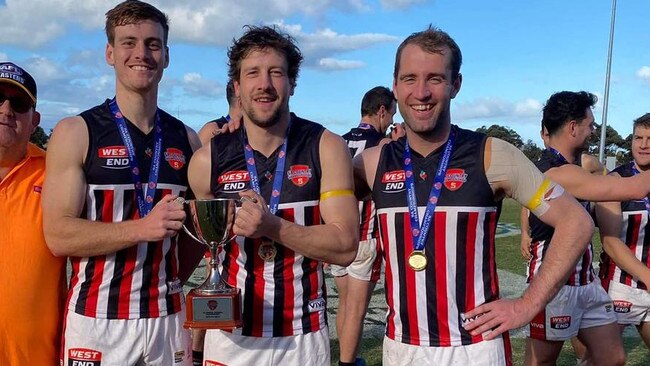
{"type": "Point", "coordinates": [140, 281]}
{"type": "Point", "coordinates": [427, 308]}
{"type": "Point", "coordinates": [283, 295]}
{"type": "Point", "coordinates": [541, 234]}
{"type": "Point", "coordinates": [635, 233]}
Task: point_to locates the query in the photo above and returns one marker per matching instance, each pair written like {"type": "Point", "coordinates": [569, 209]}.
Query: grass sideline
{"type": "Point", "coordinates": [509, 258]}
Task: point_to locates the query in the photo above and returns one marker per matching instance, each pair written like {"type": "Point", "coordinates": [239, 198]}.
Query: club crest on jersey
{"type": "Point", "coordinates": [299, 174]}
{"type": "Point", "coordinates": [621, 306]}
{"type": "Point", "coordinates": [454, 178]}
{"type": "Point", "coordinates": [393, 181]}
{"type": "Point", "coordinates": [175, 158]}
{"type": "Point", "coordinates": [84, 357]}
{"type": "Point", "coordinates": [561, 322]}
{"type": "Point", "coordinates": [234, 180]}
{"type": "Point", "coordinates": [114, 157]}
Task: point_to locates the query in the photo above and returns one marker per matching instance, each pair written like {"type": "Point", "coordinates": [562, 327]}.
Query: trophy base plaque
{"type": "Point", "coordinates": [213, 310]}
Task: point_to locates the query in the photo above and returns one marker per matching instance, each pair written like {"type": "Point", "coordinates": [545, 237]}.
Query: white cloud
{"type": "Point", "coordinates": [4, 57]}
{"type": "Point", "coordinates": [643, 73]}
{"type": "Point", "coordinates": [400, 4]}
{"type": "Point", "coordinates": [195, 85]}
{"type": "Point", "coordinates": [334, 64]}
{"type": "Point", "coordinates": [497, 108]}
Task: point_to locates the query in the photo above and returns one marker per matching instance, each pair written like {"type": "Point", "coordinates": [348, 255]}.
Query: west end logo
{"type": "Point", "coordinates": [234, 180]}
{"type": "Point", "coordinates": [393, 181]}
{"type": "Point", "coordinates": [115, 157]}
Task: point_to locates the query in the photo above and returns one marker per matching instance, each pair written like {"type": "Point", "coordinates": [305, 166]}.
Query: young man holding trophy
{"type": "Point", "coordinates": [304, 173]}
{"type": "Point", "coordinates": [113, 174]}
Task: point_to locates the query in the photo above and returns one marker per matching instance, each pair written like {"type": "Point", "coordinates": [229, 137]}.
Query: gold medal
{"type": "Point", "coordinates": [417, 260]}
{"type": "Point", "coordinates": [267, 250]}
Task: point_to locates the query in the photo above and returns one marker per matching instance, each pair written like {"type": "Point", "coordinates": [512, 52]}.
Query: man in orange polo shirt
{"type": "Point", "coordinates": [32, 280]}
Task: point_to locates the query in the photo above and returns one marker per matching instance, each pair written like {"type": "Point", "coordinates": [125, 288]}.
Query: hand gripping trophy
{"type": "Point", "coordinates": [214, 304]}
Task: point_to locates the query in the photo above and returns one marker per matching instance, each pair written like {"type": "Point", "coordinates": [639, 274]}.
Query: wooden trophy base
{"type": "Point", "coordinates": [213, 311]}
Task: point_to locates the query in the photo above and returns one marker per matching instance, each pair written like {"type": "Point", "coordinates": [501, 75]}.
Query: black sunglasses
{"type": "Point", "coordinates": [18, 104]}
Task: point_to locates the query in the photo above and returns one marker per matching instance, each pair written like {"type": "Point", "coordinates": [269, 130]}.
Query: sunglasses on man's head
{"type": "Point", "coordinates": [18, 104]}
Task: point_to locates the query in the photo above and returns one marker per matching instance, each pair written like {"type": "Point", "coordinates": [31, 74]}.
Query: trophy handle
{"type": "Point", "coordinates": [190, 234]}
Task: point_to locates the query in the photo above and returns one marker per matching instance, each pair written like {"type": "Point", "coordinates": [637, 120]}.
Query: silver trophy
{"type": "Point", "coordinates": [214, 304]}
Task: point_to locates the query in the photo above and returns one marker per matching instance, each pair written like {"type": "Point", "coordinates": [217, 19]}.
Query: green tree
{"type": "Point", "coordinates": [613, 141]}
{"type": "Point", "coordinates": [39, 137]}
{"type": "Point", "coordinates": [531, 150]}
{"type": "Point", "coordinates": [503, 133]}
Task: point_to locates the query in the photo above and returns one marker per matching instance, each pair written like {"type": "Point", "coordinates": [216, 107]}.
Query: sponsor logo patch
{"type": "Point", "coordinates": [622, 306]}
{"type": "Point", "coordinates": [537, 325]}
{"type": "Point", "coordinates": [115, 157]}
{"type": "Point", "coordinates": [175, 157]}
{"type": "Point", "coordinates": [317, 305]}
{"type": "Point", "coordinates": [84, 357]}
{"type": "Point", "coordinates": [454, 178]}
{"type": "Point", "coordinates": [561, 322]}
{"type": "Point", "coordinates": [393, 181]}
{"type": "Point", "coordinates": [234, 180]}
{"type": "Point", "coordinates": [174, 286]}
{"type": "Point", "coordinates": [299, 174]}
{"type": "Point", "coordinates": [179, 356]}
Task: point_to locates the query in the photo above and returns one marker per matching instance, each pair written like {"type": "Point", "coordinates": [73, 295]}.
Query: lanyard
{"type": "Point", "coordinates": [636, 171]}
{"type": "Point", "coordinates": [145, 200]}
{"type": "Point", "coordinates": [279, 171]}
{"type": "Point", "coordinates": [559, 155]}
{"type": "Point", "coordinates": [420, 234]}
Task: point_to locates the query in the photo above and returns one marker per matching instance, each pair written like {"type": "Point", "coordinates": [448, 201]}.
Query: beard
{"type": "Point", "coordinates": [264, 122]}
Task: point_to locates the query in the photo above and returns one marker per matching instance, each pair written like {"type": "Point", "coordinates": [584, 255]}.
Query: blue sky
{"type": "Point", "coordinates": [515, 54]}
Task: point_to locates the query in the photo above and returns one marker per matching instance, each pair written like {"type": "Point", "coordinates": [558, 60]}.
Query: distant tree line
{"type": "Point", "coordinates": [615, 145]}
{"type": "Point", "coordinates": [40, 138]}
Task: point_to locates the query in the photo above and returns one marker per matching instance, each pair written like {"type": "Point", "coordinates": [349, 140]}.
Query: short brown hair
{"type": "Point", "coordinates": [641, 121]}
{"type": "Point", "coordinates": [258, 38]}
{"type": "Point", "coordinates": [432, 40]}
{"type": "Point", "coordinates": [132, 12]}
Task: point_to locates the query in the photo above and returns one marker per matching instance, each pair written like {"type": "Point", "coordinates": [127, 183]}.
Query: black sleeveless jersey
{"type": "Point", "coordinates": [140, 281]}
{"type": "Point", "coordinates": [283, 295]}
{"type": "Point", "coordinates": [635, 233]}
{"type": "Point", "coordinates": [359, 139]}
{"type": "Point", "coordinates": [541, 234]}
{"type": "Point", "coordinates": [426, 308]}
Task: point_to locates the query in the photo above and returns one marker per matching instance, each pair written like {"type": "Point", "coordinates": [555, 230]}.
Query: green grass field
{"type": "Point", "coordinates": [509, 258]}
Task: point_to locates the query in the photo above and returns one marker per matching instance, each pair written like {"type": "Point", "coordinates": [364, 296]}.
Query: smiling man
{"type": "Point", "coordinates": [304, 173]}
{"type": "Point", "coordinates": [113, 173]}
{"type": "Point", "coordinates": [437, 193]}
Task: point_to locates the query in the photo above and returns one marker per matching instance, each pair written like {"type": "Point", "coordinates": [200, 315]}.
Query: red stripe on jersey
{"type": "Point", "coordinates": [634, 243]}
{"type": "Point", "coordinates": [313, 274]}
{"type": "Point", "coordinates": [470, 256]}
{"type": "Point", "coordinates": [126, 283]}
{"type": "Point", "coordinates": [440, 254]}
{"type": "Point", "coordinates": [233, 266]}
{"type": "Point", "coordinates": [410, 295]}
{"type": "Point", "coordinates": [259, 284]}
{"type": "Point", "coordinates": [288, 277]}
{"type": "Point", "coordinates": [538, 326]}
{"type": "Point", "coordinates": [507, 347]}
{"type": "Point", "coordinates": [367, 217]}
{"type": "Point", "coordinates": [99, 261]}
{"type": "Point", "coordinates": [494, 281]}
{"type": "Point", "coordinates": [390, 318]}
{"type": "Point", "coordinates": [154, 309]}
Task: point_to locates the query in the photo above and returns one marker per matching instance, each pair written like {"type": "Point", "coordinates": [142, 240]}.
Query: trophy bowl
{"type": "Point", "coordinates": [214, 304]}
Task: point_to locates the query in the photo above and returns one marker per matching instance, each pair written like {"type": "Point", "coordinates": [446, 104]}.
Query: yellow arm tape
{"type": "Point", "coordinates": [336, 193]}
{"type": "Point", "coordinates": [537, 198]}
